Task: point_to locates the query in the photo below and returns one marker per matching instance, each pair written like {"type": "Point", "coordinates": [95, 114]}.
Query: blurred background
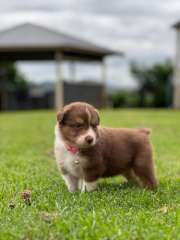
{"type": "Point", "coordinates": [108, 53]}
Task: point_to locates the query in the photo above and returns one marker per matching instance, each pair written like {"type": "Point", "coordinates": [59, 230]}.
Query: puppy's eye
{"type": "Point", "coordinates": [77, 125]}
{"type": "Point", "coordinates": [94, 126]}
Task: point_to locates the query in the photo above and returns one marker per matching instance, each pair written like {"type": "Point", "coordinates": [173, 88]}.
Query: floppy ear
{"type": "Point", "coordinates": [60, 116]}
{"type": "Point", "coordinates": [97, 112]}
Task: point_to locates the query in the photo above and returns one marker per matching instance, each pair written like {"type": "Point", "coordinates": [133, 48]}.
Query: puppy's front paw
{"type": "Point", "coordinates": [88, 186]}
{"type": "Point", "coordinates": [71, 182]}
{"type": "Point", "coordinates": [72, 189]}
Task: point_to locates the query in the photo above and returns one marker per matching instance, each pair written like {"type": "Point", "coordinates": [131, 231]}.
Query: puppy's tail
{"type": "Point", "coordinates": [145, 130]}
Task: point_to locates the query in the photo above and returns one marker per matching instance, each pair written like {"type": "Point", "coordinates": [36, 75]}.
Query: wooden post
{"type": "Point", "coordinates": [59, 85]}
{"type": "Point", "coordinates": [176, 79]}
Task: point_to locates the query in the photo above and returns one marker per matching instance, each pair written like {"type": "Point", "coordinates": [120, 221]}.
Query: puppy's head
{"type": "Point", "coordinates": [78, 123]}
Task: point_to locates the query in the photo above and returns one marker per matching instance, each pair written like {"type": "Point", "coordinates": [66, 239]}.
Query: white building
{"type": "Point", "coordinates": [176, 79]}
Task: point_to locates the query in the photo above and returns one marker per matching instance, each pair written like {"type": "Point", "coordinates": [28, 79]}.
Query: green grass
{"type": "Point", "coordinates": [115, 211]}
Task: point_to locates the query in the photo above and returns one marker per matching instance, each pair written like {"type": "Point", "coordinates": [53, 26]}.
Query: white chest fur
{"type": "Point", "coordinates": [72, 163]}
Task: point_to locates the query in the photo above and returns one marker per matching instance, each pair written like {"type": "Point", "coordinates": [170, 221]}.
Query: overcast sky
{"type": "Point", "coordinates": [140, 28]}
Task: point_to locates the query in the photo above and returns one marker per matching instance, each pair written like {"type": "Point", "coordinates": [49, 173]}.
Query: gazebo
{"type": "Point", "coordinates": [33, 42]}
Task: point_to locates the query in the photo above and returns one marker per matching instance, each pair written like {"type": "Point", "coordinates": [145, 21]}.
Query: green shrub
{"type": "Point", "coordinates": [124, 99]}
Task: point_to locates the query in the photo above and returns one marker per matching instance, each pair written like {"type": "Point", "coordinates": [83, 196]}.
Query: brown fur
{"type": "Point", "coordinates": [117, 151]}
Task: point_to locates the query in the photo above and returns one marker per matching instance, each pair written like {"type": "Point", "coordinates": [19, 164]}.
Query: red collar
{"type": "Point", "coordinates": [71, 149]}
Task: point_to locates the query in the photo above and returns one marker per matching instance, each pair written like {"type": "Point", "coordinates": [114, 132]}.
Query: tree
{"type": "Point", "coordinates": [11, 79]}
{"type": "Point", "coordinates": [9, 75]}
{"type": "Point", "coordinates": [154, 81]}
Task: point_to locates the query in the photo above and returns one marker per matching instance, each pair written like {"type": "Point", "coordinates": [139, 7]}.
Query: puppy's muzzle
{"type": "Point", "coordinates": [89, 140]}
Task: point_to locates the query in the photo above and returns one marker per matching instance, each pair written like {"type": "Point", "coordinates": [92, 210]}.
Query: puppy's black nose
{"type": "Point", "coordinates": [89, 139]}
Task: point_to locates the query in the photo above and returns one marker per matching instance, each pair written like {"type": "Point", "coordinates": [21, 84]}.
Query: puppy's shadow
{"type": "Point", "coordinates": [105, 186]}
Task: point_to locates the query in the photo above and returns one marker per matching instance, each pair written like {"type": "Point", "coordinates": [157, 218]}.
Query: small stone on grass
{"type": "Point", "coordinates": [48, 217]}
{"type": "Point", "coordinates": [26, 196]}
{"type": "Point", "coordinates": [12, 205]}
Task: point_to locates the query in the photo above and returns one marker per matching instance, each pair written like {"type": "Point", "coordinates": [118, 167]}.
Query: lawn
{"type": "Point", "coordinates": [116, 210]}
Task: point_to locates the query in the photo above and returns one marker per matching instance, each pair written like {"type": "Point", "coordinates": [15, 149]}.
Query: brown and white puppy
{"type": "Point", "coordinates": [86, 152]}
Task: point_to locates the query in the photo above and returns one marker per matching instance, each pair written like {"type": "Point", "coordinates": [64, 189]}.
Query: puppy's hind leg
{"type": "Point", "coordinates": [131, 177]}
{"type": "Point", "coordinates": [144, 169]}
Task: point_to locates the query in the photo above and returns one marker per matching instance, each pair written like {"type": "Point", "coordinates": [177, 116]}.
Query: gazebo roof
{"type": "Point", "coordinates": [30, 41]}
